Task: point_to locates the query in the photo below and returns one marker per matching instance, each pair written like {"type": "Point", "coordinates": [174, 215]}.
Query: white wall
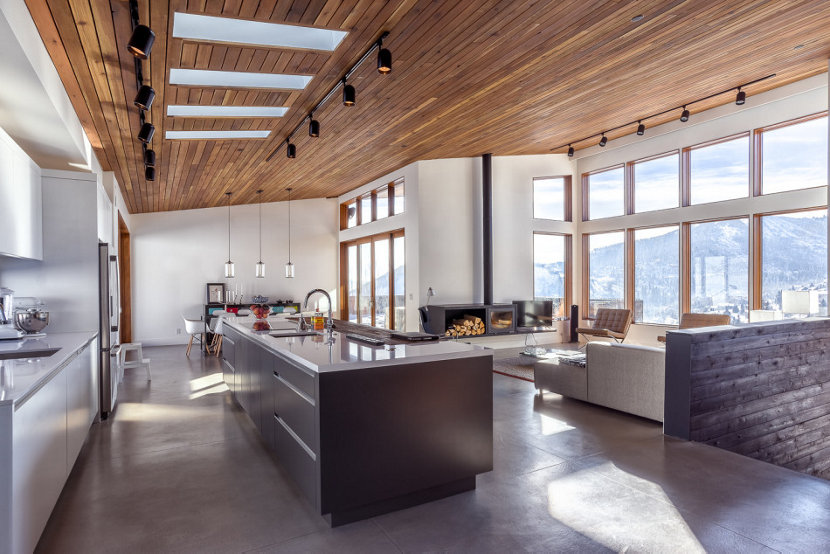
{"type": "Point", "coordinates": [175, 254]}
{"type": "Point", "coordinates": [67, 278]}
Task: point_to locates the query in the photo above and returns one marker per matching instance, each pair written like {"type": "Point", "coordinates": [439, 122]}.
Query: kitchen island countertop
{"type": "Point", "coordinates": [314, 353]}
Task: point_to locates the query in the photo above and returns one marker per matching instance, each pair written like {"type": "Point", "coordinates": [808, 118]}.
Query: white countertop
{"type": "Point", "coordinates": [313, 353]}
{"type": "Point", "coordinates": [22, 377]}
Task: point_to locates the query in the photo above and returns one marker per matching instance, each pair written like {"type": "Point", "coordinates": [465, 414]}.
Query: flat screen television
{"type": "Point", "coordinates": [534, 313]}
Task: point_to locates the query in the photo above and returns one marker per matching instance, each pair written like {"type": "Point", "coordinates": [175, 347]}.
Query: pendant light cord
{"type": "Point", "coordinates": [259, 192]}
{"type": "Point", "coordinates": [229, 225]}
{"type": "Point", "coordinates": [289, 225]}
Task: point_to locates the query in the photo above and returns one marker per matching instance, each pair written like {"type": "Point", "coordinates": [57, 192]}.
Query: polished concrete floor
{"type": "Point", "coordinates": [179, 468]}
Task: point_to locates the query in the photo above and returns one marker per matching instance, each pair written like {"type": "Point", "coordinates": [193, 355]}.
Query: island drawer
{"type": "Point", "coordinates": [300, 463]}
{"type": "Point", "coordinates": [296, 410]}
{"type": "Point", "coordinates": [298, 378]}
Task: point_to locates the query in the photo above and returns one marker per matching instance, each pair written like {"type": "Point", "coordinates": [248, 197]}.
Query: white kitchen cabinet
{"type": "Point", "coordinates": [81, 402]}
{"type": "Point", "coordinates": [38, 461]}
{"type": "Point", "coordinates": [21, 211]}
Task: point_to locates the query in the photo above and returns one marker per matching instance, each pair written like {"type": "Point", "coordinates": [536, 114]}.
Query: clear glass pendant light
{"type": "Point", "coordinates": [260, 265]}
{"type": "Point", "coordinates": [229, 269]}
{"type": "Point", "coordinates": [289, 267]}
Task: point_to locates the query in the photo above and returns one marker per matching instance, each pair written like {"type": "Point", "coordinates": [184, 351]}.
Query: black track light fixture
{"type": "Point", "coordinates": [641, 128]}
{"type": "Point", "coordinates": [571, 151]}
{"type": "Point", "coordinates": [146, 133]}
{"type": "Point", "coordinates": [740, 99]}
{"type": "Point", "coordinates": [384, 58]}
{"type": "Point", "coordinates": [144, 98]}
{"type": "Point", "coordinates": [150, 173]}
{"type": "Point", "coordinates": [349, 94]}
{"type": "Point", "coordinates": [604, 140]}
{"type": "Point", "coordinates": [150, 158]}
{"type": "Point", "coordinates": [684, 117]}
{"type": "Point", "coordinates": [313, 126]}
{"type": "Point", "coordinates": [291, 151]}
{"type": "Point", "coordinates": [141, 42]}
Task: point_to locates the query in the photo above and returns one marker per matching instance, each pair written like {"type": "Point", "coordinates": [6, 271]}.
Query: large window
{"type": "Point", "coordinates": [719, 171]}
{"type": "Point", "coordinates": [657, 183]}
{"type": "Point", "coordinates": [657, 275]}
{"type": "Point", "coordinates": [606, 276]}
{"type": "Point", "coordinates": [380, 203]}
{"type": "Point", "coordinates": [374, 275]}
{"type": "Point", "coordinates": [550, 198]}
{"type": "Point", "coordinates": [606, 193]}
{"type": "Point", "coordinates": [720, 268]}
{"type": "Point", "coordinates": [794, 262]}
{"type": "Point", "coordinates": [794, 156]}
{"type": "Point", "coordinates": [550, 269]}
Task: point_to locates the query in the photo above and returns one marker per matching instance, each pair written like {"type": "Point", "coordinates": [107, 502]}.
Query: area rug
{"type": "Point", "coordinates": [517, 367]}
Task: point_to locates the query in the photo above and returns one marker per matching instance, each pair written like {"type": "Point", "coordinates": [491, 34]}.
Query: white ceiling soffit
{"type": "Point", "coordinates": [185, 110]}
{"type": "Point", "coordinates": [257, 33]}
{"type": "Point", "coordinates": [34, 107]}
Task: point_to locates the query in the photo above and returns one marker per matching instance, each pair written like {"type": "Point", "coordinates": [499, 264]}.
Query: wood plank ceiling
{"type": "Point", "coordinates": [469, 77]}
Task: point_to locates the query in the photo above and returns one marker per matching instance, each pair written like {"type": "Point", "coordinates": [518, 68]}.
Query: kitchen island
{"type": "Point", "coordinates": [365, 429]}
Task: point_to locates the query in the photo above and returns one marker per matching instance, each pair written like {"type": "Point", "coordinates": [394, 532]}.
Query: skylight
{"type": "Point", "coordinates": [225, 111]}
{"type": "Point", "coordinates": [237, 79]}
{"type": "Point", "coordinates": [215, 135]}
{"type": "Point", "coordinates": [255, 33]}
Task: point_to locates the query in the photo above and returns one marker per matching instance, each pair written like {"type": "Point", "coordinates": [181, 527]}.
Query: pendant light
{"type": "Point", "coordinates": [289, 267]}
{"type": "Point", "coordinates": [260, 265]}
{"type": "Point", "coordinates": [229, 269]}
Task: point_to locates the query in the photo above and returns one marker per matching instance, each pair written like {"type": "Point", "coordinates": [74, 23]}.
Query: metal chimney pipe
{"type": "Point", "coordinates": [487, 227]}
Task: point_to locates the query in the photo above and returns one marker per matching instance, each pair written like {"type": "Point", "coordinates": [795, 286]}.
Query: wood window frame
{"type": "Point", "coordinates": [373, 194]}
{"type": "Point", "coordinates": [758, 149]}
{"type": "Point", "coordinates": [586, 190]}
{"type": "Point", "coordinates": [686, 168]}
{"type": "Point", "coordinates": [567, 197]}
{"type": "Point", "coordinates": [344, 273]}
{"type": "Point", "coordinates": [568, 282]}
{"type": "Point", "coordinates": [586, 269]}
{"type": "Point", "coordinates": [631, 188]}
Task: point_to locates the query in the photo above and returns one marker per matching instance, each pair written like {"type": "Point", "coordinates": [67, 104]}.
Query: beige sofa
{"type": "Point", "coordinates": [626, 377]}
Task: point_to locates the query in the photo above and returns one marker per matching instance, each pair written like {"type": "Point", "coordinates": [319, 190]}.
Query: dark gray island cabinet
{"type": "Point", "coordinates": [365, 430]}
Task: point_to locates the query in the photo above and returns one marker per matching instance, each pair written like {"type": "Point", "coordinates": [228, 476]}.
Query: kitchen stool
{"type": "Point", "coordinates": [139, 360]}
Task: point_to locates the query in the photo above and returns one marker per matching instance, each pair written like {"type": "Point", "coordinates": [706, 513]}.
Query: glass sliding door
{"type": "Point", "coordinates": [373, 274]}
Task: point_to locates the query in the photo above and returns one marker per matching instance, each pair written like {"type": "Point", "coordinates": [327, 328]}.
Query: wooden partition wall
{"type": "Point", "coordinates": [760, 390]}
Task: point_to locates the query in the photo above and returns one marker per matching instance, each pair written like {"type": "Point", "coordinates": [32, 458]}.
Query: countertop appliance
{"type": "Point", "coordinates": [30, 315]}
{"type": "Point", "coordinates": [108, 320]}
{"type": "Point", "coordinates": [7, 328]}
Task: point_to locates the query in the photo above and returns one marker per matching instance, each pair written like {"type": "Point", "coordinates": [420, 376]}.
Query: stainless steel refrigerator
{"type": "Point", "coordinates": [108, 320]}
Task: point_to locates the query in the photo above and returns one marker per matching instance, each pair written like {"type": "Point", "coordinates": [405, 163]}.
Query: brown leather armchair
{"type": "Point", "coordinates": [609, 323]}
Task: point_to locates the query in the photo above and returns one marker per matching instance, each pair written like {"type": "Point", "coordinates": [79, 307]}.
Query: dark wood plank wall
{"type": "Point", "coordinates": [761, 390]}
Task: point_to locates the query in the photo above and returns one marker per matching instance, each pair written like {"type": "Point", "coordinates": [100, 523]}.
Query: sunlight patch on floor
{"type": "Point", "coordinates": [551, 425]}
{"type": "Point", "coordinates": [621, 511]}
{"type": "Point", "coordinates": [209, 384]}
{"type": "Point", "coordinates": [142, 412]}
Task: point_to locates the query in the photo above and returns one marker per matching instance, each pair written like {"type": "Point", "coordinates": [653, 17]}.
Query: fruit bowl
{"type": "Point", "coordinates": [260, 311]}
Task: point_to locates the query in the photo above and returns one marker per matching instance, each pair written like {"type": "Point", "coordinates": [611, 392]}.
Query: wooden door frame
{"type": "Point", "coordinates": [125, 321]}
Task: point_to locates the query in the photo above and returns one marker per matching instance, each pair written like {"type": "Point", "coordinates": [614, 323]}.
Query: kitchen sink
{"type": "Point", "coordinates": [22, 354]}
{"type": "Point", "coordinates": [290, 333]}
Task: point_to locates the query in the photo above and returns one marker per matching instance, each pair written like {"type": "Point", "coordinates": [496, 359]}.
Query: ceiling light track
{"type": "Point", "coordinates": [384, 67]}
{"type": "Point", "coordinates": [684, 116]}
{"type": "Point", "coordinates": [140, 46]}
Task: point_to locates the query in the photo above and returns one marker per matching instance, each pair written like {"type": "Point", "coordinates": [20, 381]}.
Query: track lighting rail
{"type": "Point", "coordinates": [639, 120]}
{"type": "Point", "coordinates": [341, 82]}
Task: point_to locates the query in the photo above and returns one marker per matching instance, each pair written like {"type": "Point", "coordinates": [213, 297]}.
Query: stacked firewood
{"type": "Point", "coordinates": [467, 325]}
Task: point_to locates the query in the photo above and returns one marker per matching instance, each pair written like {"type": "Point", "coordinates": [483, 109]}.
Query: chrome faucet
{"type": "Point", "coordinates": [329, 321]}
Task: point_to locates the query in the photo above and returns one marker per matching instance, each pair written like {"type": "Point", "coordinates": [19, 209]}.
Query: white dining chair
{"type": "Point", "coordinates": [216, 344]}
{"type": "Point", "coordinates": [196, 329]}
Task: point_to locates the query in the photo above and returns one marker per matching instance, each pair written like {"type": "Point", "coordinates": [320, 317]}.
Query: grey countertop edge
{"type": "Point", "coordinates": [474, 351]}
{"type": "Point", "coordinates": [61, 359]}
